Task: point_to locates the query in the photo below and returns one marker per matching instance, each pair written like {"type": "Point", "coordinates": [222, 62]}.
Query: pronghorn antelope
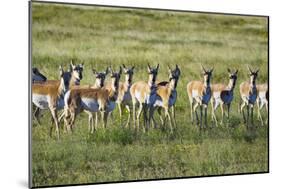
{"type": "Point", "coordinates": [99, 78]}
{"type": "Point", "coordinates": [37, 76]}
{"type": "Point", "coordinates": [199, 94]}
{"type": "Point", "coordinates": [167, 96]}
{"type": "Point", "coordinates": [248, 93]}
{"type": "Point", "coordinates": [99, 83]}
{"type": "Point", "coordinates": [262, 99]}
{"type": "Point", "coordinates": [73, 78]}
{"type": "Point", "coordinates": [145, 94]}
{"type": "Point", "coordinates": [92, 100]}
{"type": "Point", "coordinates": [223, 95]}
{"type": "Point", "coordinates": [124, 97]}
{"type": "Point", "coordinates": [51, 96]}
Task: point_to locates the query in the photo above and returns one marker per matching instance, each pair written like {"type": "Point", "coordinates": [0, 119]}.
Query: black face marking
{"type": "Point", "coordinates": [233, 76]}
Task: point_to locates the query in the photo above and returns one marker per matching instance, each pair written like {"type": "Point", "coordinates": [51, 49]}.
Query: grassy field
{"type": "Point", "coordinates": [104, 36]}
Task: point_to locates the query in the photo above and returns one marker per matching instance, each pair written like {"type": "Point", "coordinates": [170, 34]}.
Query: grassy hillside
{"type": "Point", "coordinates": [105, 36]}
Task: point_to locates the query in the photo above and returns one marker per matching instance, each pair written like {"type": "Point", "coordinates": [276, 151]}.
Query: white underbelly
{"type": "Point", "coordinates": [90, 104]}
{"type": "Point", "coordinates": [172, 100]}
{"type": "Point", "coordinates": [41, 101]}
{"type": "Point", "coordinates": [158, 102]}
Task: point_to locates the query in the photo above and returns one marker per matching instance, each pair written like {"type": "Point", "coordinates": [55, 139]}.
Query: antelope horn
{"type": "Point", "coordinates": [249, 69]}
{"type": "Point", "coordinates": [202, 68]}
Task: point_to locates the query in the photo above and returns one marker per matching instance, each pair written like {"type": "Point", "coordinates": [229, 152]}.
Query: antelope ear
{"type": "Point", "coordinates": [229, 71]}
{"type": "Point", "coordinates": [157, 66]}
{"type": "Point", "coordinates": [257, 71]}
{"type": "Point", "coordinates": [236, 72]}
{"type": "Point", "coordinates": [107, 71]}
{"type": "Point", "coordinates": [202, 68]}
{"type": "Point", "coordinates": [124, 68]}
{"type": "Point", "coordinates": [35, 70]}
{"type": "Point", "coordinates": [110, 69]}
{"type": "Point", "coordinates": [133, 68]}
{"type": "Point", "coordinates": [120, 70]}
{"type": "Point", "coordinates": [61, 71]}
{"type": "Point", "coordinates": [148, 68]}
{"type": "Point", "coordinates": [178, 70]}
{"type": "Point", "coordinates": [70, 68]}
{"type": "Point", "coordinates": [249, 69]}
{"type": "Point", "coordinates": [72, 65]}
{"type": "Point", "coordinates": [211, 70]}
{"type": "Point", "coordinates": [169, 68]}
{"type": "Point", "coordinates": [94, 71]}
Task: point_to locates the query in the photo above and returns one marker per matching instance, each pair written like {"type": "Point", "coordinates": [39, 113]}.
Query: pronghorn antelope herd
{"type": "Point", "coordinates": [142, 98]}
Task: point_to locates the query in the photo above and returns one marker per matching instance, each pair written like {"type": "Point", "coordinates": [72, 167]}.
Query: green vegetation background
{"type": "Point", "coordinates": [113, 36]}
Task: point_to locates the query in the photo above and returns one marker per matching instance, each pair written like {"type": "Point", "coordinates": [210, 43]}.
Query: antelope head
{"type": "Point", "coordinates": [152, 74]}
{"type": "Point", "coordinates": [174, 76]}
{"type": "Point", "coordinates": [100, 77]}
{"type": "Point", "coordinates": [115, 77]}
{"type": "Point", "coordinates": [76, 71]}
{"type": "Point", "coordinates": [253, 75]}
{"type": "Point", "coordinates": [128, 72]}
{"type": "Point", "coordinates": [232, 77]}
{"type": "Point", "coordinates": [207, 74]}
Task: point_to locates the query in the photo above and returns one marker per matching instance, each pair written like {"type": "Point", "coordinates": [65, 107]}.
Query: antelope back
{"type": "Point", "coordinates": [37, 75]}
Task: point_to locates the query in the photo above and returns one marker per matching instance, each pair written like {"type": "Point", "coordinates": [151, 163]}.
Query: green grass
{"type": "Point", "coordinates": [104, 36]}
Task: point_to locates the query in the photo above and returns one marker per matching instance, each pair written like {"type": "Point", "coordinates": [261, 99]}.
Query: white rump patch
{"type": "Point", "coordinates": [262, 98]}
{"type": "Point", "coordinates": [195, 93]}
{"type": "Point", "coordinates": [138, 96]}
{"type": "Point", "coordinates": [262, 95]}
{"type": "Point", "coordinates": [216, 95]}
